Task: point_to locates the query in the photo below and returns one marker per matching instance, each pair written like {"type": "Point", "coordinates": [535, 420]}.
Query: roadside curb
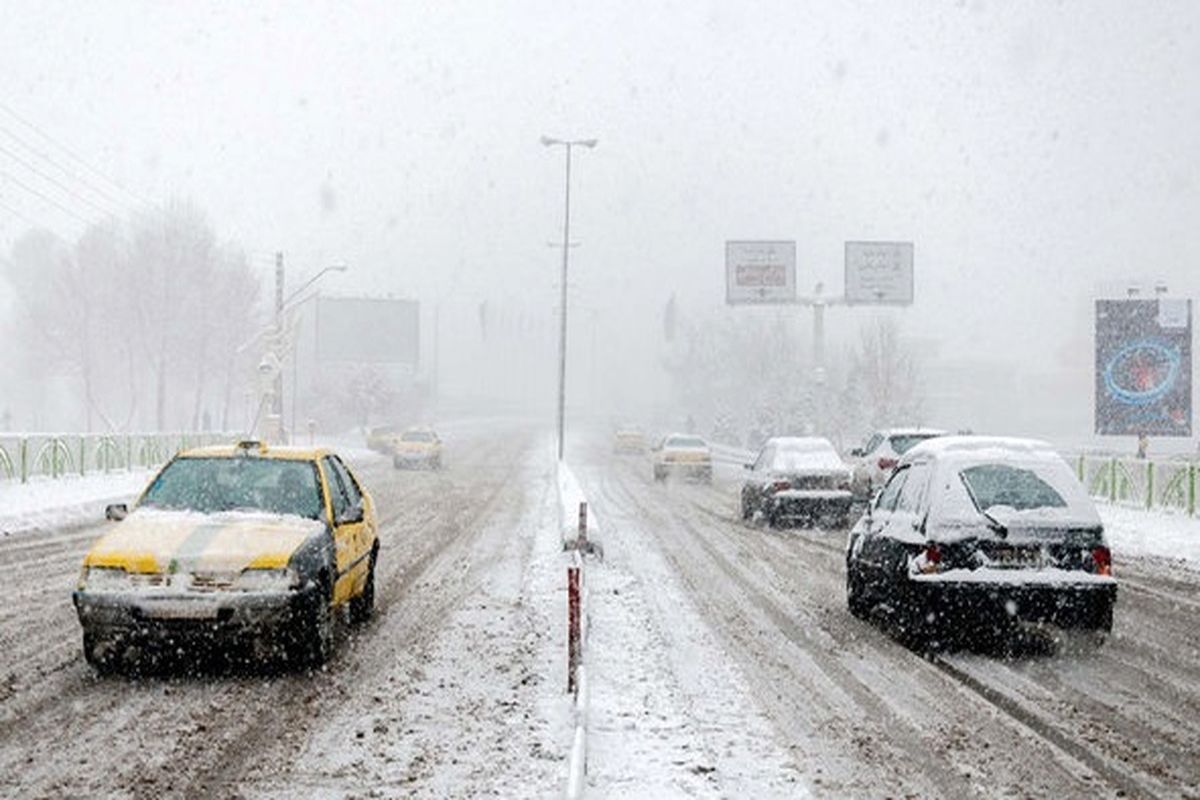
{"type": "Point", "coordinates": [576, 524]}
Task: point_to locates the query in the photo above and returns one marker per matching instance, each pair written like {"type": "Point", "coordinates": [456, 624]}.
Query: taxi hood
{"type": "Point", "coordinates": [157, 541]}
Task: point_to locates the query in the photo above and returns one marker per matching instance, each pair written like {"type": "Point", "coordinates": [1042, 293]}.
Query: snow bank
{"type": "Point", "coordinates": [1136, 532]}
{"type": "Point", "coordinates": [45, 503]}
{"type": "Point", "coordinates": [569, 498]}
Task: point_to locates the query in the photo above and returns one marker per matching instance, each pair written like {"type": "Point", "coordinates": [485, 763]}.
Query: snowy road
{"type": "Point", "coordinates": [863, 716]}
{"type": "Point", "coordinates": [738, 673]}
{"type": "Point", "coordinates": [444, 693]}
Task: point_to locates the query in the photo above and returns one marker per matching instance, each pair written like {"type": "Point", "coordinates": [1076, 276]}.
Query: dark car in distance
{"type": "Point", "coordinates": [798, 480]}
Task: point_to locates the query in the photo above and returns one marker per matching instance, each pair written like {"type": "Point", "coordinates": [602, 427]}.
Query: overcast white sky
{"type": "Point", "coordinates": [1029, 149]}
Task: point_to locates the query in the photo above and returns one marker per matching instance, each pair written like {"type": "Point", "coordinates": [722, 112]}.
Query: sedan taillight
{"type": "Point", "coordinates": [887, 463]}
{"type": "Point", "coordinates": [1102, 560]}
{"type": "Point", "coordinates": [779, 486]}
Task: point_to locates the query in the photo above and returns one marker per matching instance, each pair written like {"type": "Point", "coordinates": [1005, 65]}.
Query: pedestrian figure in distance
{"type": "Point", "coordinates": [1142, 444]}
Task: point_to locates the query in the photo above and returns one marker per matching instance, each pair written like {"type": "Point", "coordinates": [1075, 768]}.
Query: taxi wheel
{"type": "Point", "coordinates": [97, 651]}
{"type": "Point", "coordinates": [314, 641]}
{"type": "Point", "coordinates": [363, 606]}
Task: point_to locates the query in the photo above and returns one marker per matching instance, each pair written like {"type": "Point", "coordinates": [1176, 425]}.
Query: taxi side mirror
{"type": "Point", "coordinates": [115, 512]}
{"type": "Point", "coordinates": [352, 514]}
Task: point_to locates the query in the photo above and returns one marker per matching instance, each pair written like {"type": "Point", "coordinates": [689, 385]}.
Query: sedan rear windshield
{"type": "Point", "coordinates": [417, 436]}
{"type": "Point", "coordinates": [1009, 486]}
{"type": "Point", "coordinates": [213, 485]}
{"type": "Point", "coordinates": [799, 459]}
{"type": "Point", "coordinates": [902, 443]}
{"type": "Point", "coordinates": [685, 441]}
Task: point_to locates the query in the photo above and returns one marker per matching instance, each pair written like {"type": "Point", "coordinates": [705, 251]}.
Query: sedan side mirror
{"type": "Point", "coordinates": [747, 466]}
{"type": "Point", "coordinates": [116, 512]}
{"type": "Point", "coordinates": [858, 452]}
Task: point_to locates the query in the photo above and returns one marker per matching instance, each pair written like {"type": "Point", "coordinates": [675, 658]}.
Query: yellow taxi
{"type": "Point", "coordinates": [417, 447]}
{"type": "Point", "coordinates": [685, 455]}
{"type": "Point", "coordinates": [629, 441]}
{"type": "Point", "coordinates": [244, 542]}
{"type": "Point", "coordinates": [380, 438]}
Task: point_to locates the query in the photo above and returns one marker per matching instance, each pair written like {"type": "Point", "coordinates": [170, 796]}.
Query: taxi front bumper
{"type": "Point", "coordinates": [183, 615]}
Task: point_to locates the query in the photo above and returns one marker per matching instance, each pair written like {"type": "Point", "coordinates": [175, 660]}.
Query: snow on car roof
{"type": "Point", "coordinates": [805, 453]}
{"type": "Point", "coordinates": [912, 432]}
{"type": "Point", "coordinates": [807, 444]}
{"type": "Point", "coordinates": [981, 447]}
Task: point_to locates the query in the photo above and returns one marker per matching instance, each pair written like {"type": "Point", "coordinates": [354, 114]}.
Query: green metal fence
{"type": "Point", "coordinates": [48, 455]}
{"type": "Point", "coordinates": [1140, 483]}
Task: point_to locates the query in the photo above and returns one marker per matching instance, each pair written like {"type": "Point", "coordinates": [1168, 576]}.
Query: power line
{"type": "Point", "coordinates": [44, 197]}
{"type": "Point", "coordinates": [71, 154]}
{"type": "Point", "coordinates": [54, 181]}
{"type": "Point", "coordinates": [33, 223]}
{"type": "Point", "coordinates": [97, 190]}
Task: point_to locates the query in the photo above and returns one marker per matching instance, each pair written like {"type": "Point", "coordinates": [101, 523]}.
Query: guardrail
{"type": "Point", "coordinates": [54, 455]}
{"type": "Point", "coordinates": [1140, 483]}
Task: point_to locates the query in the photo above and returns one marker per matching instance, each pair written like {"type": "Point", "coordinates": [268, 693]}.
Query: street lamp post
{"type": "Point", "coordinates": [281, 303]}
{"type": "Point", "coordinates": [562, 309]}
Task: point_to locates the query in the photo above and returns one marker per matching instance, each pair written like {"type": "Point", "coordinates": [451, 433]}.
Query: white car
{"type": "Point", "coordinates": [878, 456]}
{"type": "Point", "coordinates": [684, 455]}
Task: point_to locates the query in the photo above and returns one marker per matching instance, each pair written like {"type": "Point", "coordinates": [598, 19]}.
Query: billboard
{"type": "Point", "coordinates": [1144, 367]}
{"type": "Point", "coordinates": [368, 330]}
{"type": "Point", "coordinates": [879, 273]}
{"type": "Point", "coordinates": [760, 272]}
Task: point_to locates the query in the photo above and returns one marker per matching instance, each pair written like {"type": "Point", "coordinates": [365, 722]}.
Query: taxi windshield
{"type": "Point", "coordinates": [213, 485]}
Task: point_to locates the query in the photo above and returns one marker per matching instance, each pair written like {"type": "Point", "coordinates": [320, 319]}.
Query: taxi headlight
{"type": "Point", "coordinates": [267, 580]}
{"type": "Point", "coordinates": [106, 579]}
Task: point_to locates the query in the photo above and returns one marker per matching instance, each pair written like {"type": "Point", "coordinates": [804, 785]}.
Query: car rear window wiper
{"type": "Point", "coordinates": [996, 525]}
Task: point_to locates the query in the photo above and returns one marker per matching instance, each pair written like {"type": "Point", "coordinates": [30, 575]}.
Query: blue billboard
{"type": "Point", "coordinates": [1144, 367]}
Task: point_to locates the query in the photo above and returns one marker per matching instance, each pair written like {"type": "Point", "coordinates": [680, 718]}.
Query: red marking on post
{"type": "Point", "coordinates": [573, 640]}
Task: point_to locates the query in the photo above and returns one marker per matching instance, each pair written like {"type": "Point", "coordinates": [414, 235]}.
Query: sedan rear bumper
{"type": "Point", "coordinates": [961, 604]}
{"type": "Point", "coordinates": [806, 504]}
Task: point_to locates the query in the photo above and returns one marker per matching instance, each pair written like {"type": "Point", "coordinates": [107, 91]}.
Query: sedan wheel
{"type": "Point", "coordinates": [856, 599]}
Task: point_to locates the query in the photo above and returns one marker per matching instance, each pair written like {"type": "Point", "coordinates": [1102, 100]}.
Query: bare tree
{"type": "Point", "coordinates": [160, 312]}
{"type": "Point", "coordinates": [882, 384]}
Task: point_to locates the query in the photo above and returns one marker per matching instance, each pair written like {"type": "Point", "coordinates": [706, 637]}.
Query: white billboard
{"type": "Point", "coordinates": [879, 273]}
{"type": "Point", "coordinates": [760, 272]}
{"type": "Point", "coordinates": [368, 330]}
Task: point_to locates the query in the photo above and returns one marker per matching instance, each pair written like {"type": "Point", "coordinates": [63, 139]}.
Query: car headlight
{"type": "Point", "coordinates": [105, 579]}
{"type": "Point", "coordinates": [267, 580]}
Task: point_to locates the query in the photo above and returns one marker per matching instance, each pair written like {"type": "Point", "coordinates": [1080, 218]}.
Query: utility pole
{"type": "Point", "coordinates": [277, 398]}
{"type": "Point", "coordinates": [562, 308]}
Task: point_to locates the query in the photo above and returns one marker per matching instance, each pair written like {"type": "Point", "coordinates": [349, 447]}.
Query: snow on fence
{"type": "Point", "coordinates": [576, 525]}
{"type": "Point", "coordinates": [1140, 483]}
{"type": "Point", "coordinates": [54, 455]}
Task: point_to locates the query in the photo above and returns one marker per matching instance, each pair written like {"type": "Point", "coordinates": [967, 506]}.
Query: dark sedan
{"type": "Point", "coordinates": [972, 535]}
{"type": "Point", "coordinates": [798, 480]}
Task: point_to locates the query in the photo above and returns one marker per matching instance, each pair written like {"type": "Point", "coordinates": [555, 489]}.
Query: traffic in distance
{"type": "Point", "coordinates": [951, 539]}
{"type": "Point", "coordinates": [264, 546]}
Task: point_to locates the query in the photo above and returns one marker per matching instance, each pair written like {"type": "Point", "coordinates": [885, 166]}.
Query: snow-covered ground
{"type": "Point", "coordinates": [1136, 532]}
{"type": "Point", "coordinates": [46, 503]}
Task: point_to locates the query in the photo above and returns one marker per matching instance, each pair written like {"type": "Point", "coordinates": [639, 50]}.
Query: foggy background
{"type": "Point", "coordinates": [1037, 155]}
